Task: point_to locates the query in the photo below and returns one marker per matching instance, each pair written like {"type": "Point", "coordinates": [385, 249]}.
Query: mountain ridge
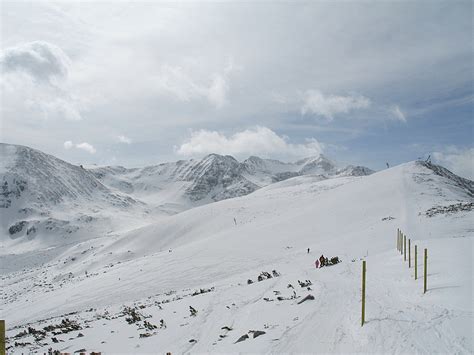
{"type": "Point", "coordinates": [44, 195]}
{"type": "Point", "coordinates": [238, 178]}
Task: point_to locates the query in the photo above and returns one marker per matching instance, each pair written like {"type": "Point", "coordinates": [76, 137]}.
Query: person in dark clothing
{"type": "Point", "coordinates": [322, 261]}
{"type": "Point", "coordinates": [308, 250]}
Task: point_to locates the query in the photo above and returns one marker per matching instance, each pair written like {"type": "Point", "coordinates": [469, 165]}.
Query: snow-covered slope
{"type": "Point", "coordinates": [122, 286]}
{"type": "Point", "coordinates": [47, 198]}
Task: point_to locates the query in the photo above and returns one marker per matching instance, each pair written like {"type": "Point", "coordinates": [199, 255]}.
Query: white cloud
{"type": "Point", "coordinates": [87, 147]}
{"type": "Point", "coordinates": [83, 146]}
{"type": "Point", "coordinates": [34, 82]}
{"type": "Point", "coordinates": [330, 105]}
{"type": "Point", "coordinates": [43, 61]}
{"type": "Point", "coordinates": [459, 161]}
{"type": "Point", "coordinates": [117, 55]}
{"type": "Point", "coordinates": [398, 113]}
{"type": "Point", "coordinates": [258, 140]}
{"type": "Point", "coordinates": [178, 82]}
{"type": "Point", "coordinates": [124, 139]}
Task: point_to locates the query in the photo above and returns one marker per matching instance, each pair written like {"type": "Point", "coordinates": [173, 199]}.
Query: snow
{"type": "Point", "coordinates": [8, 153]}
{"type": "Point", "coordinates": [157, 267]}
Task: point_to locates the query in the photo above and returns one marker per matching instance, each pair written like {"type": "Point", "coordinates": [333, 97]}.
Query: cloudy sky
{"type": "Point", "coordinates": [137, 83]}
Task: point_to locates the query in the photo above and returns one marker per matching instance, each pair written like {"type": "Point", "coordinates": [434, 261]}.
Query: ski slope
{"type": "Point", "coordinates": [217, 247]}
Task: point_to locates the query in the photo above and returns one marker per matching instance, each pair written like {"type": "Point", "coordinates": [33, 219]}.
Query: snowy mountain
{"type": "Point", "coordinates": [43, 195]}
{"type": "Point", "coordinates": [214, 178]}
{"type": "Point", "coordinates": [180, 185]}
{"type": "Point", "coordinates": [236, 275]}
{"type": "Point", "coordinates": [45, 198]}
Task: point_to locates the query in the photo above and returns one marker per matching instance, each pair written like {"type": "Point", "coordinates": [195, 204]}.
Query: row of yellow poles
{"type": "Point", "coordinates": [402, 248]}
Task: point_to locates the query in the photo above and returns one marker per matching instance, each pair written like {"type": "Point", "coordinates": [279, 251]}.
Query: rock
{"type": "Point", "coordinates": [242, 338]}
{"type": "Point", "coordinates": [309, 297]}
{"type": "Point", "coordinates": [257, 333]}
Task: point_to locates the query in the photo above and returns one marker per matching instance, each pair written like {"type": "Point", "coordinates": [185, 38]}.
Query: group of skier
{"type": "Point", "coordinates": [324, 261]}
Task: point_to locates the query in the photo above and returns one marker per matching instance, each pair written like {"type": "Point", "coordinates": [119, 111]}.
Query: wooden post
{"type": "Point", "coordinates": [2, 337]}
{"type": "Point", "coordinates": [405, 248]}
{"type": "Point", "coordinates": [409, 253]}
{"type": "Point", "coordinates": [416, 262]}
{"type": "Point", "coordinates": [399, 236]}
{"type": "Point", "coordinates": [425, 271]}
{"type": "Point", "coordinates": [363, 293]}
{"type": "Point", "coordinates": [401, 244]}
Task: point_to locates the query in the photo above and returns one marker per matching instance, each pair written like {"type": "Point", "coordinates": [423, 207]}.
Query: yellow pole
{"type": "Point", "coordinates": [409, 253]}
{"type": "Point", "coordinates": [405, 248]}
{"type": "Point", "coordinates": [398, 238]}
{"type": "Point", "coordinates": [416, 262]}
{"type": "Point", "coordinates": [363, 293]}
{"type": "Point", "coordinates": [401, 243]}
{"type": "Point", "coordinates": [425, 271]}
{"type": "Point", "coordinates": [2, 337]}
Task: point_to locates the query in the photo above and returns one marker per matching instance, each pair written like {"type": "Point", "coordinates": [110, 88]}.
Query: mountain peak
{"type": "Point", "coordinates": [316, 165]}
{"type": "Point", "coordinates": [219, 158]}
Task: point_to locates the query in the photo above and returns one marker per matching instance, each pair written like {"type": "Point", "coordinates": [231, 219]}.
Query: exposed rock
{"type": "Point", "coordinates": [450, 209]}
{"type": "Point", "coordinates": [307, 298]}
{"type": "Point", "coordinates": [242, 338]}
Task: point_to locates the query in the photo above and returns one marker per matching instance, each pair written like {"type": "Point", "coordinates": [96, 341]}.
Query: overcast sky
{"type": "Point", "coordinates": [136, 83]}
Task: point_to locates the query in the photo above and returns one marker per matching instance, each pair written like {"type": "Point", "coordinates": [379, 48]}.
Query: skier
{"type": "Point", "coordinates": [322, 261]}
{"type": "Point", "coordinates": [308, 250]}
{"type": "Point", "coordinates": [316, 263]}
